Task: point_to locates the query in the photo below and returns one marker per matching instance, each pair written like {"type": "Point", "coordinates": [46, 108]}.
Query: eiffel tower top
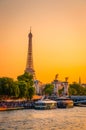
{"type": "Point", "coordinates": [30, 34]}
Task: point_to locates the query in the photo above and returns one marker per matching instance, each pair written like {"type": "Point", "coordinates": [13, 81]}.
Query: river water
{"type": "Point", "coordinates": [56, 119]}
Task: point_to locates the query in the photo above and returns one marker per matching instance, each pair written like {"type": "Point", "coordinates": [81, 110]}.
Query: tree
{"type": "Point", "coordinates": [30, 93]}
{"type": "Point", "coordinates": [28, 78]}
{"type": "Point", "coordinates": [76, 89]}
{"type": "Point", "coordinates": [72, 91]}
{"type": "Point", "coordinates": [16, 90]}
{"type": "Point", "coordinates": [27, 87]}
{"type": "Point", "coordinates": [22, 88]}
{"type": "Point", "coordinates": [48, 89]}
{"type": "Point", "coordinates": [0, 87]}
{"type": "Point", "coordinates": [6, 85]}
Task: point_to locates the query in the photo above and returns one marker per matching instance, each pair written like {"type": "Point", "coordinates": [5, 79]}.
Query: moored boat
{"type": "Point", "coordinates": [10, 108]}
{"type": "Point", "coordinates": [15, 105]}
{"type": "Point", "coordinates": [3, 109]}
{"type": "Point", "coordinates": [45, 104]}
{"type": "Point", "coordinates": [81, 103]}
{"type": "Point", "coordinates": [64, 102]}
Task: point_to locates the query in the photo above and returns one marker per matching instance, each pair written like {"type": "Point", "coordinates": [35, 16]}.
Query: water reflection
{"type": "Point", "coordinates": [57, 119]}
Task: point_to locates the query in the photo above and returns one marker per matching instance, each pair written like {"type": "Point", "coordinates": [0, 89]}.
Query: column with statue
{"type": "Point", "coordinates": [56, 85]}
{"type": "Point", "coordinates": [65, 84]}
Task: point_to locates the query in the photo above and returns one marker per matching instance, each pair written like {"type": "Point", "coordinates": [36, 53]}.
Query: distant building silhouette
{"type": "Point", "coordinates": [79, 80]}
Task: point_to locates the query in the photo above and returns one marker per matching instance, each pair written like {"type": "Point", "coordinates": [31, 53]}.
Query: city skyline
{"type": "Point", "coordinates": [59, 40]}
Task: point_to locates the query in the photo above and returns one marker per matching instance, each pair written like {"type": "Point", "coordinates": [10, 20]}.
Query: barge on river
{"type": "Point", "coordinates": [64, 102]}
{"type": "Point", "coordinates": [81, 103]}
{"type": "Point", "coordinates": [10, 108]}
{"type": "Point", "coordinates": [45, 104]}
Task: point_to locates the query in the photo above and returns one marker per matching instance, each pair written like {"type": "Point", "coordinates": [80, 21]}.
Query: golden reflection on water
{"type": "Point", "coordinates": [57, 119]}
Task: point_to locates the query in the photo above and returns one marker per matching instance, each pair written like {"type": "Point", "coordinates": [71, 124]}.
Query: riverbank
{"type": "Point", "coordinates": [16, 105]}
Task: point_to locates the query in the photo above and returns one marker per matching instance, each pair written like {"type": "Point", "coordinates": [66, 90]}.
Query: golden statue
{"type": "Point", "coordinates": [66, 79]}
{"type": "Point", "coordinates": [56, 76]}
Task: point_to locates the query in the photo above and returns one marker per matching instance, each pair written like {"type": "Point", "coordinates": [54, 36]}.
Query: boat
{"type": "Point", "coordinates": [10, 108]}
{"type": "Point", "coordinates": [64, 102]}
{"type": "Point", "coordinates": [3, 108]}
{"type": "Point", "coordinates": [45, 104]}
{"type": "Point", "coordinates": [11, 105]}
{"type": "Point", "coordinates": [81, 103]}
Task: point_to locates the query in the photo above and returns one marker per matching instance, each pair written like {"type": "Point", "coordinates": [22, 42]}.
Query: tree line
{"type": "Point", "coordinates": [74, 89]}
{"type": "Point", "coordinates": [22, 87]}
{"type": "Point", "coordinates": [77, 89]}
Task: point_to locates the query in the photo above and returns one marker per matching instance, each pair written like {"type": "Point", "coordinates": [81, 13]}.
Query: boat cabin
{"type": "Point", "coordinates": [45, 104]}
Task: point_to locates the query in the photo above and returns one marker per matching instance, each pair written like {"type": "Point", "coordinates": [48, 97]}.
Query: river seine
{"type": "Point", "coordinates": [56, 119]}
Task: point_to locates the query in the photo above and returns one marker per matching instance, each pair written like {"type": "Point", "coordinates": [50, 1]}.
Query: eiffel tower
{"type": "Point", "coordinates": [29, 64]}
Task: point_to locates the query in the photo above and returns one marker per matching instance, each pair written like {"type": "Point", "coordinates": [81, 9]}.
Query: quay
{"type": "Point", "coordinates": [66, 102]}
{"type": "Point", "coordinates": [16, 105]}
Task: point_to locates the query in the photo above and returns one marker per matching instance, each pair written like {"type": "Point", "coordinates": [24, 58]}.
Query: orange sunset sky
{"type": "Point", "coordinates": [59, 38]}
